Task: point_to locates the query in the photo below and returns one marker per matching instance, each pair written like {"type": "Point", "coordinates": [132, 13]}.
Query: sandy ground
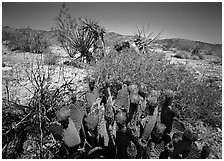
{"type": "Point", "coordinates": [21, 91]}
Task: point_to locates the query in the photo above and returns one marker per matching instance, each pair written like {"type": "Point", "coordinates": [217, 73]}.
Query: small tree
{"type": "Point", "coordinates": [82, 36]}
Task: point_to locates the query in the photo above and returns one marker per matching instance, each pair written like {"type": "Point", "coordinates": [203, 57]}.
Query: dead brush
{"type": "Point", "coordinates": [32, 121]}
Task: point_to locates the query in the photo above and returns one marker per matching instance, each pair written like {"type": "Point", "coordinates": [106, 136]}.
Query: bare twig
{"type": "Point", "coordinates": [19, 122]}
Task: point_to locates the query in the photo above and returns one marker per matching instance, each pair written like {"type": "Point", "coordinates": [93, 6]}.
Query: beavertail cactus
{"type": "Point", "coordinates": [150, 125]}
{"type": "Point", "coordinates": [121, 118]}
{"type": "Point", "coordinates": [157, 132]}
{"type": "Point", "coordinates": [143, 90]}
{"type": "Point", "coordinates": [63, 113]}
{"type": "Point", "coordinates": [57, 130]}
{"type": "Point", "coordinates": [122, 142]}
{"type": "Point", "coordinates": [182, 145]}
{"type": "Point", "coordinates": [134, 98]}
{"type": "Point", "coordinates": [133, 88]}
{"type": "Point", "coordinates": [71, 136]}
{"type": "Point", "coordinates": [169, 94]}
{"type": "Point", "coordinates": [151, 103]}
{"type": "Point", "coordinates": [92, 121]}
{"type": "Point", "coordinates": [91, 98]}
{"type": "Point", "coordinates": [77, 112]}
{"type": "Point", "coordinates": [122, 100]}
{"type": "Point", "coordinates": [134, 103]}
{"type": "Point", "coordinates": [205, 152]}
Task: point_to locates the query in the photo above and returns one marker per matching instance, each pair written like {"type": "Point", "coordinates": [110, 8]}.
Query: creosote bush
{"type": "Point", "coordinates": [195, 100]}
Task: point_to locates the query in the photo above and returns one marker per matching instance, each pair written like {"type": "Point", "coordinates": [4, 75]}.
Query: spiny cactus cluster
{"type": "Point", "coordinates": [124, 123]}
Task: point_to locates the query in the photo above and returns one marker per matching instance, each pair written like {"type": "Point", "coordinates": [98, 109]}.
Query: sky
{"type": "Point", "coordinates": [201, 21]}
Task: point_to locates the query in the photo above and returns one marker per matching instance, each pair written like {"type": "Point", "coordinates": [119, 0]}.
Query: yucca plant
{"type": "Point", "coordinates": [82, 36]}
{"type": "Point", "coordinates": [143, 40]}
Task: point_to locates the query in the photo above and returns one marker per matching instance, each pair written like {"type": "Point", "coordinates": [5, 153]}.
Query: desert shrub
{"type": "Point", "coordinates": [182, 55]}
{"type": "Point", "coordinates": [194, 100]}
{"type": "Point", "coordinates": [98, 53]}
{"type": "Point", "coordinates": [209, 52]}
{"type": "Point", "coordinates": [199, 101]}
{"type": "Point", "coordinates": [8, 36]}
{"type": "Point", "coordinates": [186, 45]}
{"type": "Point", "coordinates": [121, 45]}
{"type": "Point", "coordinates": [28, 40]}
{"type": "Point", "coordinates": [15, 41]}
{"type": "Point", "coordinates": [217, 50]}
{"type": "Point", "coordinates": [195, 57]}
{"type": "Point", "coordinates": [50, 58]}
{"type": "Point", "coordinates": [118, 47]}
{"type": "Point", "coordinates": [201, 56]}
{"type": "Point", "coordinates": [82, 35]}
{"type": "Point", "coordinates": [183, 46]}
{"type": "Point", "coordinates": [197, 54]}
{"type": "Point", "coordinates": [169, 44]}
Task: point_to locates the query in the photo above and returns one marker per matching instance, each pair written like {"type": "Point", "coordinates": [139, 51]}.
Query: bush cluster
{"type": "Point", "coordinates": [120, 46]}
{"type": "Point", "coordinates": [26, 40]}
{"type": "Point", "coordinates": [194, 54]}
{"type": "Point", "coordinates": [195, 100]}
